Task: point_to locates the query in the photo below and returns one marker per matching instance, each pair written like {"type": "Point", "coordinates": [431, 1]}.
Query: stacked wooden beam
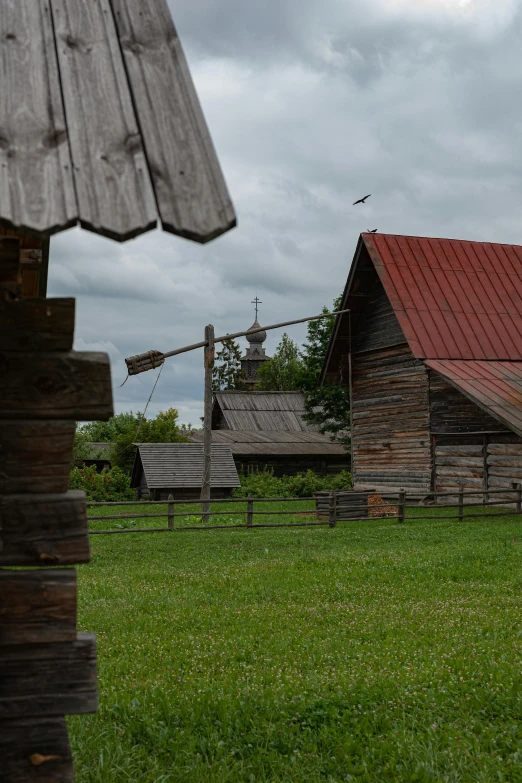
{"type": "Point", "coordinates": [47, 669]}
{"type": "Point", "coordinates": [349, 504]}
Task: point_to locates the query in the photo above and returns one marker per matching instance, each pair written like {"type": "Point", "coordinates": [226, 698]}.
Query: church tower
{"type": "Point", "coordinates": [255, 354]}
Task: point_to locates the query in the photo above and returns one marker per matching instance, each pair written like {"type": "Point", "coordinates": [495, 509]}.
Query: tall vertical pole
{"type": "Point", "coordinates": [207, 423]}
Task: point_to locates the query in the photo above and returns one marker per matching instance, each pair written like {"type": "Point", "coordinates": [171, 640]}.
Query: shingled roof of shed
{"type": "Point", "coordinates": [265, 411]}
{"type": "Point", "coordinates": [100, 123]}
{"type": "Point", "coordinates": [275, 442]}
{"type": "Point", "coordinates": [459, 305]}
{"type": "Point", "coordinates": [180, 466]}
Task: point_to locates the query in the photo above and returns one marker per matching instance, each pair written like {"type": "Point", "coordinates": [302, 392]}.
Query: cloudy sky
{"type": "Point", "coordinates": [311, 104]}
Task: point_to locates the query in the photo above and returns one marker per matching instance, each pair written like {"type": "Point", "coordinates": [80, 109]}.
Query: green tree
{"type": "Point", "coordinates": [283, 372]}
{"type": "Point", "coordinates": [163, 429]}
{"type": "Point", "coordinates": [228, 374]}
{"type": "Point", "coordinates": [82, 448]}
{"type": "Point", "coordinates": [108, 431]}
{"type": "Point", "coordinates": [326, 406]}
{"type": "Point", "coordinates": [125, 429]}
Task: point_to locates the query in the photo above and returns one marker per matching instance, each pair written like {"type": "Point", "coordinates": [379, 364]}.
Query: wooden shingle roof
{"type": "Point", "coordinates": [265, 411]}
{"type": "Point", "coordinates": [273, 442]}
{"type": "Point", "coordinates": [180, 465]}
{"type": "Point", "coordinates": [100, 123]}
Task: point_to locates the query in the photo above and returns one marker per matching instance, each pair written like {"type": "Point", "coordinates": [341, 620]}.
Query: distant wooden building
{"type": "Point", "coordinates": [250, 411]}
{"type": "Point", "coordinates": [284, 453]}
{"type": "Point", "coordinates": [163, 469]}
{"type": "Point", "coordinates": [432, 353]}
{"type": "Point", "coordinates": [268, 430]}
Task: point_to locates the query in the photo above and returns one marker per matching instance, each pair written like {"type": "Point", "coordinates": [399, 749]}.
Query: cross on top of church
{"type": "Point", "coordinates": [256, 302]}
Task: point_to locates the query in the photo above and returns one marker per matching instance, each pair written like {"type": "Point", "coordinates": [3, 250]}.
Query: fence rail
{"type": "Point", "coordinates": [336, 503]}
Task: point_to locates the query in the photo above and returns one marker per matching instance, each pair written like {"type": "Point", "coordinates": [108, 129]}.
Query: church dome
{"type": "Point", "coordinates": [259, 337]}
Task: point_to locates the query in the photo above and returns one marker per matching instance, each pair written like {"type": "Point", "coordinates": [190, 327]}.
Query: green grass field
{"type": "Point", "coordinates": [372, 652]}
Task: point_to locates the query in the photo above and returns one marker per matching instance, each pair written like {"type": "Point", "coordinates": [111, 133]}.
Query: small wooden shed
{"type": "Point", "coordinates": [163, 469]}
{"type": "Point", "coordinates": [432, 353]}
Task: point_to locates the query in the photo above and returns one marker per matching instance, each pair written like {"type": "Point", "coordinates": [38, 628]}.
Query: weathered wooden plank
{"type": "Point", "coordinates": [48, 679]}
{"type": "Point", "coordinates": [462, 462]}
{"type": "Point", "coordinates": [460, 471]}
{"type": "Point", "coordinates": [511, 471]}
{"type": "Point", "coordinates": [447, 483]}
{"type": "Point", "coordinates": [458, 451]}
{"type": "Point", "coordinates": [509, 449]}
{"type": "Point", "coordinates": [115, 195]}
{"type": "Point", "coordinates": [505, 460]}
{"type": "Point", "coordinates": [67, 385]}
{"type": "Point", "coordinates": [191, 193]}
{"type": "Point", "coordinates": [504, 481]}
{"type": "Point", "coordinates": [35, 750]}
{"type": "Point", "coordinates": [43, 530]}
{"type": "Point", "coordinates": [35, 456]}
{"type": "Point", "coordinates": [37, 606]}
{"type": "Point", "coordinates": [36, 187]}
{"type": "Point", "coordinates": [37, 325]}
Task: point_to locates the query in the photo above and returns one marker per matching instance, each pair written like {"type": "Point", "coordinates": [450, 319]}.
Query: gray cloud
{"type": "Point", "coordinates": [311, 104]}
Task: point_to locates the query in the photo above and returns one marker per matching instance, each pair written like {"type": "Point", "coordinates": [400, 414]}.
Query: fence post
{"type": "Point", "coordinates": [461, 504]}
{"type": "Point", "coordinates": [402, 503]}
{"type": "Point", "coordinates": [170, 513]}
{"type": "Point", "coordinates": [332, 509]}
{"type": "Point", "coordinates": [250, 511]}
{"type": "Point", "coordinates": [519, 499]}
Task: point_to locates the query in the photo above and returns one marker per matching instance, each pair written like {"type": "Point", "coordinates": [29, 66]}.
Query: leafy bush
{"type": "Point", "coordinates": [266, 485]}
{"type": "Point", "coordinates": [113, 484]}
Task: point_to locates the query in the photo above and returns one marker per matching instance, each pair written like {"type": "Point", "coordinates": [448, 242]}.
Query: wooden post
{"type": "Point", "coordinates": [332, 509]}
{"type": "Point", "coordinates": [207, 424]}
{"type": "Point", "coordinates": [519, 499]}
{"type": "Point", "coordinates": [170, 513]}
{"type": "Point", "coordinates": [250, 511]}
{"type": "Point", "coordinates": [402, 504]}
{"type": "Point", "coordinates": [461, 504]}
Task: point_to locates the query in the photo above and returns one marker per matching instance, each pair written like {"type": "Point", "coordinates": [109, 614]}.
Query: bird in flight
{"type": "Point", "coordinates": [361, 200]}
{"type": "Point", "coordinates": [372, 230]}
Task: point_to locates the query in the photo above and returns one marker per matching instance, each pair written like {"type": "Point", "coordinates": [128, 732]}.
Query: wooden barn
{"type": "Point", "coordinates": [284, 453]}
{"type": "Point", "coordinates": [432, 353]}
{"type": "Point", "coordinates": [268, 429]}
{"type": "Point", "coordinates": [163, 469]}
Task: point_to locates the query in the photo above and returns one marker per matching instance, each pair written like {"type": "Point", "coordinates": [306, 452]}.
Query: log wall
{"type": "Point", "coordinates": [472, 450]}
{"type": "Point", "coordinates": [390, 420]}
{"type": "Point", "coordinates": [47, 668]}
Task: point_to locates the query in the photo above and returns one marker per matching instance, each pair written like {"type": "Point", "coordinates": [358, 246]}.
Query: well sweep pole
{"type": "Point", "coordinates": [207, 424]}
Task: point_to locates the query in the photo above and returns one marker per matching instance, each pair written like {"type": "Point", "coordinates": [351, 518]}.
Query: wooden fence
{"type": "Point", "coordinates": [336, 510]}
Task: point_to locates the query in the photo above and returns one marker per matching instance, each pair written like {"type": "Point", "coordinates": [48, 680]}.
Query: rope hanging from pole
{"type": "Point", "coordinates": [148, 401]}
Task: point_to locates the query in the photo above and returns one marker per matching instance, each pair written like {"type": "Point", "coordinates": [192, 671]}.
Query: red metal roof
{"type": "Point", "coordinates": [494, 386]}
{"type": "Point", "coordinates": [453, 299]}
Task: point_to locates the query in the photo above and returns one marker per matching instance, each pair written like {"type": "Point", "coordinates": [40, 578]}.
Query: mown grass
{"type": "Point", "coordinates": [372, 652]}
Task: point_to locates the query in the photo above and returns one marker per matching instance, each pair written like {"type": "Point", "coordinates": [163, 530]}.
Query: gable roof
{"type": "Point", "coordinates": [265, 411]}
{"type": "Point", "coordinates": [458, 305]}
{"type": "Point", "coordinates": [273, 443]}
{"type": "Point", "coordinates": [180, 465]}
{"type": "Point", "coordinates": [453, 299]}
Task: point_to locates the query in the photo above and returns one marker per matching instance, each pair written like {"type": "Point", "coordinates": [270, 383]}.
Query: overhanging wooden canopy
{"type": "Point", "coordinates": [100, 124]}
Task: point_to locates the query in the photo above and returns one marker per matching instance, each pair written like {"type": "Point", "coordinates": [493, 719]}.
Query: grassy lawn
{"type": "Point", "coordinates": [372, 652]}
